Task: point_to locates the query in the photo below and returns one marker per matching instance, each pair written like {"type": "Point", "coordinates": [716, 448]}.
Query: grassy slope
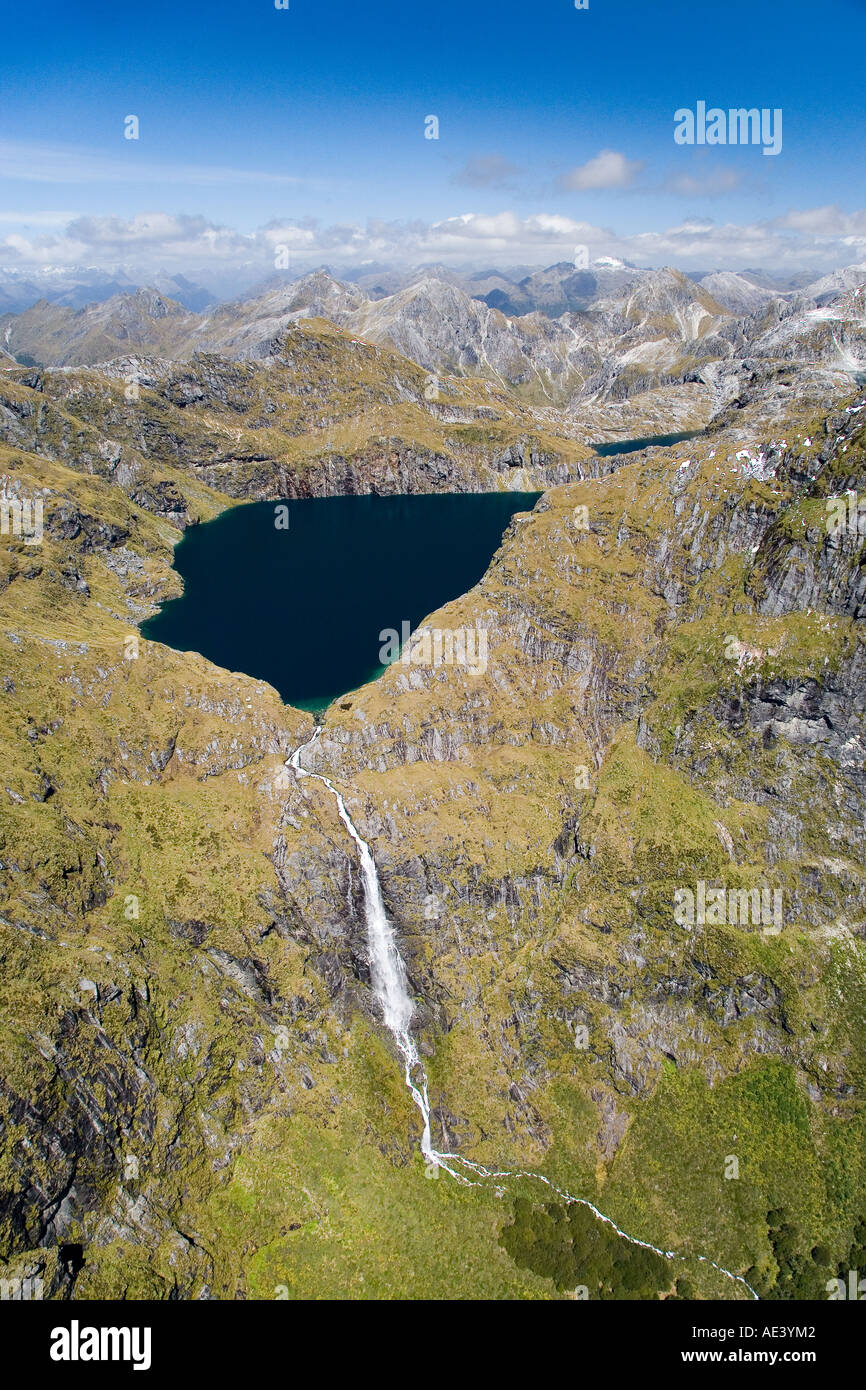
{"type": "Point", "coordinates": [652, 825]}
{"type": "Point", "coordinates": [316, 1187]}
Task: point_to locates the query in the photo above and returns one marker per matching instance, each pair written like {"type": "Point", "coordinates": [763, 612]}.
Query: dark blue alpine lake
{"type": "Point", "coordinates": [303, 607]}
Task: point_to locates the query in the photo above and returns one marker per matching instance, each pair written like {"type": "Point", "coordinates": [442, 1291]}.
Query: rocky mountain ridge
{"type": "Point", "coordinates": [196, 1087]}
{"type": "Point", "coordinates": [658, 329]}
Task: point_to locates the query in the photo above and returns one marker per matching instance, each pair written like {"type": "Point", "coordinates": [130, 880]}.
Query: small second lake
{"type": "Point", "coordinates": [630, 446]}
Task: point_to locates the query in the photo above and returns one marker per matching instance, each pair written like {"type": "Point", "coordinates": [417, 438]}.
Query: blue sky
{"type": "Point", "coordinates": [254, 118]}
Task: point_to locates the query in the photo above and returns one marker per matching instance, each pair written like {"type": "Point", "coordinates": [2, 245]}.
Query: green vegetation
{"type": "Point", "coordinates": [799, 1275]}
{"type": "Point", "coordinates": [570, 1246]}
{"type": "Point", "coordinates": [184, 977]}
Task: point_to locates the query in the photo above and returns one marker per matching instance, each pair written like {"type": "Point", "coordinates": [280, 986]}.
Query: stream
{"type": "Point", "coordinates": [391, 988]}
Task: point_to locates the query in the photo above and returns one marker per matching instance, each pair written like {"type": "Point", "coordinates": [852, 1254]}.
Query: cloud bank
{"type": "Point", "coordinates": [808, 239]}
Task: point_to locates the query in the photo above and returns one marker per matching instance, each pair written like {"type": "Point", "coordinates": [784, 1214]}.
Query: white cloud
{"type": "Point", "coordinates": [811, 239]}
{"type": "Point", "coordinates": [826, 221]}
{"type": "Point", "coordinates": [150, 240]}
{"type": "Point", "coordinates": [609, 169]}
{"type": "Point", "coordinates": [147, 229]}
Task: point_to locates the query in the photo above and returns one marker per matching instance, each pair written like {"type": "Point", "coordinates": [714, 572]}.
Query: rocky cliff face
{"type": "Point", "coordinates": [561, 338]}
{"type": "Point", "coordinates": [660, 707]}
{"type": "Point", "coordinates": [324, 415]}
{"type": "Point", "coordinates": [196, 1087]}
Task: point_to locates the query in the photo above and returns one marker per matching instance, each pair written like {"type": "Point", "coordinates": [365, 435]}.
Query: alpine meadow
{"type": "Point", "coordinates": [433, 689]}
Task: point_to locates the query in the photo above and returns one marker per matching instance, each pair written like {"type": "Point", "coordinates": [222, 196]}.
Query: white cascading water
{"type": "Point", "coordinates": [390, 984]}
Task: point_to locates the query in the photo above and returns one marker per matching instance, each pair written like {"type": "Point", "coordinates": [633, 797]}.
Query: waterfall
{"type": "Point", "coordinates": [390, 985]}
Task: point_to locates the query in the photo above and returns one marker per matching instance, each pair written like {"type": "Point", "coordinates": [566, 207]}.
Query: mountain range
{"type": "Point", "coordinates": [196, 1091]}
{"type": "Point", "coordinates": [643, 339]}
